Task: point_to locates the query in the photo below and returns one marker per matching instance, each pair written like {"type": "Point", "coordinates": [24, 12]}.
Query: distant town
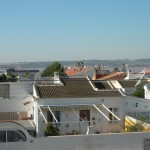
{"type": "Point", "coordinates": [92, 62]}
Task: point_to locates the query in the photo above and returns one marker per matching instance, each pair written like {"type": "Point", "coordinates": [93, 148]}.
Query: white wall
{"type": "Point", "coordinates": [14, 146]}
{"type": "Point", "coordinates": [126, 141]}
{"type": "Point", "coordinates": [102, 124]}
{"type": "Point", "coordinates": [142, 104]}
{"type": "Point", "coordinates": [19, 89]}
{"type": "Point", "coordinates": [147, 91]}
{"type": "Point", "coordinates": [14, 105]}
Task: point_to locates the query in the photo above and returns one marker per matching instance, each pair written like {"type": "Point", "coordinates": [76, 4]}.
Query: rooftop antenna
{"type": "Point", "coordinates": [103, 69]}
{"type": "Point", "coordinates": [128, 73]}
{"type": "Point", "coordinates": [85, 67]}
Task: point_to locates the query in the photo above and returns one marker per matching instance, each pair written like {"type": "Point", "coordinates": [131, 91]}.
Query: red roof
{"type": "Point", "coordinates": [74, 71]}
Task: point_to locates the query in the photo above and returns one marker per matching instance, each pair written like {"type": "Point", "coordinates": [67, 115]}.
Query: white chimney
{"type": "Point", "coordinates": [147, 91]}
{"type": "Point", "coordinates": [56, 78]}
{"type": "Point", "coordinates": [128, 73]}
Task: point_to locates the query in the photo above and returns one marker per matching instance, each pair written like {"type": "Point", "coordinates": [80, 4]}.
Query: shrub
{"type": "Point", "coordinates": [138, 127]}
{"type": "Point", "coordinates": [51, 130]}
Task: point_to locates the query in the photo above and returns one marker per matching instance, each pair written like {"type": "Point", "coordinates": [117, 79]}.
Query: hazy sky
{"type": "Point", "coordinates": [48, 30]}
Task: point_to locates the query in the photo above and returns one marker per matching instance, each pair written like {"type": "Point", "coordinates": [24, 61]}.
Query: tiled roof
{"type": "Point", "coordinates": [74, 88]}
{"type": "Point", "coordinates": [132, 83]}
{"type": "Point", "coordinates": [134, 76]}
{"type": "Point", "coordinates": [77, 70]}
{"type": "Point", "coordinates": [83, 72]}
{"type": "Point", "coordinates": [142, 83]}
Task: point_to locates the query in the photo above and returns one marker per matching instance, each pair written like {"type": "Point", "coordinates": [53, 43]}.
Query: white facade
{"type": "Point", "coordinates": [16, 104]}
{"type": "Point", "coordinates": [18, 97]}
{"type": "Point", "coordinates": [18, 89]}
{"type": "Point", "coordinates": [70, 108]}
{"type": "Point", "coordinates": [134, 104]}
{"type": "Point", "coordinates": [147, 91]}
{"type": "Point", "coordinates": [70, 115]}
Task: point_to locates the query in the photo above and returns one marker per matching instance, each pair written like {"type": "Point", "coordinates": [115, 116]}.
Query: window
{"type": "Point", "coordinates": [2, 136]}
{"type": "Point", "coordinates": [15, 136]}
{"type": "Point", "coordinates": [5, 90]}
{"type": "Point", "coordinates": [111, 117]}
{"type": "Point", "coordinates": [85, 115]}
{"type": "Point", "coordinates": [32, 133]}
{"type": "Point", "coordinates": [50, 117]}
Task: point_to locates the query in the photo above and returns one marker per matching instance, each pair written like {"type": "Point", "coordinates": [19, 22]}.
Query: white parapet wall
{"type": "Point", "coordinates": [126, 141]}
{"type": "Point", "coordinates": [120, 141]}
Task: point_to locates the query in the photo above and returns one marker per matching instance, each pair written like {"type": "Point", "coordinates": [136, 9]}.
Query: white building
{"type": "Point", "coordinates": [147, 91]}
{"type": "Point", "coordinates": [79, 104]}
{"type": "Point", "coordinates": [74, 104]}
{"type": "Point", "coordinates": [3, 71]}
{"type": "Point", "coordinates": [16, 104]}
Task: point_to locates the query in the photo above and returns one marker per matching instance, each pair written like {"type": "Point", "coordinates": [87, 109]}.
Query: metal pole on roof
{"type": "Point", "coordinates": [110, 112]}
{"type": "Point", "coordinates": [42, 114]}
{"type": "Point", "coordinates": [52, 114]}
{"type": "Point", "coordinates": [101, 112]}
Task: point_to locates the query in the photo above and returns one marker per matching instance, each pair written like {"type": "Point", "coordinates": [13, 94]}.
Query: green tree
{"type": "Point", "coordinates": [3, 78]}
{"type": "Point", "coordinates": [27, 74]}
{"type": "Point", "coordinates": [116, 69]}
{"type": "Point", "coordinates": [50, 130]}
{"type": "Point", "coordinates": [10, 74]}
{"type": "Point", "coordinates": [137, 127]}
{"type": "Point", "coordinates": [139, 92]}
{"type": "Point", "coordinates": [54, 67]}
{"type": "Point", "coordinates": [79, 64]}
{"type": "Point", "coordinates": [11, 77]}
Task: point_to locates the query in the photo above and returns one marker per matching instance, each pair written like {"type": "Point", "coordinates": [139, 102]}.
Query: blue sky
{"type": "Point", "coordinates": [49, 30]}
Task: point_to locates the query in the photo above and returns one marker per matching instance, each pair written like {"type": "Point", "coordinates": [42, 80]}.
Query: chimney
{"type": "Point", "coordinates": [128, 73]}
{"type": "Point", "coordinates": [56, 78]}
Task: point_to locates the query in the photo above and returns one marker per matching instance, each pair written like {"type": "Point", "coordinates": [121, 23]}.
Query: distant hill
{"type": "Point", "coordinates": [111, 63]}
